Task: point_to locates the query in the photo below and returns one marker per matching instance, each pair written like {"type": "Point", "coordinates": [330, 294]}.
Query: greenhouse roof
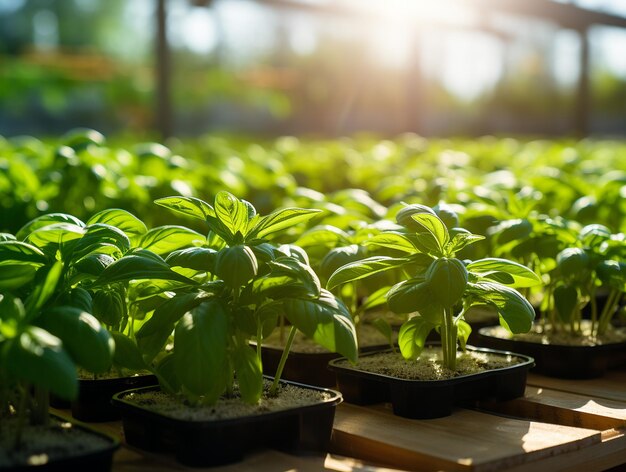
{"type": "Point", "coordinates": [565, 14]}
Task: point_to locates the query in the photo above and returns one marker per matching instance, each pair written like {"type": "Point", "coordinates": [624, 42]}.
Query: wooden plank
{"type": "Point", "coordinates": [466, 441]}
{"type": "Point", "coordinates": [612, 386]}
{"type": "Point", "coordinates": [569, 409]}
{"type": "Point", "coordinates": [610, 453]}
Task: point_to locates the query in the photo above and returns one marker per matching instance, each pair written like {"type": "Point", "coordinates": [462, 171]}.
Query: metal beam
{"type": "Point", "coordinates": [564, 14]}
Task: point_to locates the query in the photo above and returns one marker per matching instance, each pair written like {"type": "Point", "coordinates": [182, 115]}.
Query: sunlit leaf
{"type": "Point", "coordinates": [364, 268]}
{"type": "Point", "coordinates": [489, 268]}
{"type": "Point", "coordinates": [132, 226]}
{"type": "Point", "coordinates": [189, 206]}
{"type": "Point", "coordinates": [165, 239]}
{"type": "Point", "coordinates": [327, 321]}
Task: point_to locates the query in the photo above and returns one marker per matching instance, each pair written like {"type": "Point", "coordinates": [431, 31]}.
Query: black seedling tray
{"type": "Point", "coordinates": [96, 461]}
{"type": "Point", "coordinates": [94, 398]}
{"type": "Point", "coordinates": [424, 399]}
{"type": "Point", "coordinates": [569, 362]}
{"type": "Point", "coordinates": [304, 430]}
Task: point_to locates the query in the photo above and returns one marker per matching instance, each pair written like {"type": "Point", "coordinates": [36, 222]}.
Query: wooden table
{"type": "Point", "coordinates": [559, 425]}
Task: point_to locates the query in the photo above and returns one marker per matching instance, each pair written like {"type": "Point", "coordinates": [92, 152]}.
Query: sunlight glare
{"type": "Point", "coordinates": [413, 12]}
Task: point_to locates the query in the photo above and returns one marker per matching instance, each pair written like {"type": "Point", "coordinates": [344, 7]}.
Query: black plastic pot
{"type": "Point", "coordinates": [310, 368]}
{"type": "Point", "coordinates": [94, 398]}
{"type": "Point", "coordinates": [569, 362]}
{"type": "Point", "coordinates": [424, 399]}
{"type": "Point", "coordinates": [97, 461]}
{"type": "Point", "coordinates": [304, 430]}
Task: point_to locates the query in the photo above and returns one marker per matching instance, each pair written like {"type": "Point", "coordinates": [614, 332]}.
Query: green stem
{"type": "Point", "coordinates": [448, 339]}
{"type": "Point", "coordinates": [259, 339]}
{"type": "Point", "coordinates": [283, 359]}
{"type": "Point", "coordinates": [353, 306]}
{"type": "Point", "coordinates": [594, 311]}
{"type": "Point", "coordinates": [281, 329]}
{"type": "Point", "coordinates": [21, 418]}
{"type": "Point", "coordinates": [39, 414]}
{"type": "Point", "coordinates": [607, 312]}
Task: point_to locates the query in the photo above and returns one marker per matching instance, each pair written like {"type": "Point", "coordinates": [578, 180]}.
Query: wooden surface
{"type": "Point", "coordinates": [564, 408]}
{"type": "Point", "coordinates": [559, 425]}
{"type": "Point", "coordinates": [467, 440]}
{"type": "Point", "coordinates": [612, 386]}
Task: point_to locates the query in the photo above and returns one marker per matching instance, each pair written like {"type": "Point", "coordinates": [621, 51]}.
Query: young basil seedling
{"type": "Point", "coordinates": [439, 287]}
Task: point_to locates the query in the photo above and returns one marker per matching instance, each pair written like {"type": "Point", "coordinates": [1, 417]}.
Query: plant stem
{"type": "Point", "coordinates": [448, 339]}
{"type": "Point", "coordinates": [353, 307]}
{"type": "Point", "coordinates": [39, 414]}
{"type": "Point", "coordinates": [21, 417]}
{"type": "Point", "coordinates": [594, 311]}
{"type": "Point", "coordinates": [283, 359]}
{"type": "Point", "coordinates": [607, 312]}
{"type": "Point", "coordinates": [259, 339]}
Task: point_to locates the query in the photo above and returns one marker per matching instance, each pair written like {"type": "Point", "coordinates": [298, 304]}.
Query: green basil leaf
{"type": "Point", "coordinates": [392, 240]}
{"type": "Point", "coordinates": [516, 314]}
{"type": "Point", "coordinates": [189, 206]}
{"type": "Point", "coordinates": [43, 291]}
{"type": "Point", "coordinates": [324, 236]}
{"type": "Point", "coordinates": [84, 338]}
{"type": "Point", "coordinates": [200, 350]}
{"type": "Point", "coordinates": [279, 220]}
{"type": "Point", "coordinates": [47, 220]}
{"type": "Point", "coordinates": [52, 237]}
{"type": "Point", "coordinates": [165, 239]}
{"type": "Point", "coordinates": [127, 353]}
{"type": "Point", "coordinates": [249, 373]}
{"type": "Point", "coordinates": [364, 268]}
{"type": "Point", "coordinates": [236, 265]}
{"type": "Point", "coordinates": [38, 357]}
{"type": "Point", "coordinates": [432, 226]}
{"type": "Point", "coordinates": [232, 213]}
{"type": "Point", "coordinates": [489, 268]}
{"type": "Point", "coordinates": [98, 236]}
{"type": "Point", "coordinates": [462, 239]}
{"type": "Point", "coordinates": [16, 275]}
{"type": "Point", "coordinates": [412, 337]}
{"type": "Point", "coordinates": [464, 330]}
{"type": "Point", "coordinates": [169, 312]}
{"type": "Point", "coordinates": [327, 321]}
{"type": "Point", "coordinates": [415, 295]}
{"type": "Point", "coordinates": [139, 266]}
{"type": "Point", "coordinates": [132, 226]}
{"type": "Point", "coordinates": [93, 264]}
{"type": "Point", "coordinates": [200, 259]}
{"type": "Point", "coordinates": [565, 301]}
{"type": "Point", "coordinates": [17, 251]}
{"type": "Point", "coordinates": [109, 306]}
{"type": "Point", "coordinates": [447, 280]}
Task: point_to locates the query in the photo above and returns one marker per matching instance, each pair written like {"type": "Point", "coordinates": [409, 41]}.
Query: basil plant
{"type": "Point", "coordinates": [223, 292]}
{"type": "Point", "coordinates": [593, 262]}
{"type": "Point", "coordinates": [438, 287]}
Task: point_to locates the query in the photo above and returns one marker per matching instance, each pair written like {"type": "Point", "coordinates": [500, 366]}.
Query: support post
{"type": "Point", "coordinates": [582, 113]}
{"type": "Point", "coordinates": [163, 118]}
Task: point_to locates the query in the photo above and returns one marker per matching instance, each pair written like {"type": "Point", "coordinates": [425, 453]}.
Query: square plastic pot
{"type": "Point", "coordinates": [569, 362]}
{"type": "Point", "coordinates": [94, 398]}
{"type": "Point", "coordinates": [302, 430]}
{"type": "Point", "coordinates": [424, 399]}
{"type": "Point", "coordinates": [96, 461]}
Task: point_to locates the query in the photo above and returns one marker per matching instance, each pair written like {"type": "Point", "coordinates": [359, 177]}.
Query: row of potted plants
{"type": "Point", "coordinates": [98, 295]}
{"type": "Point", "coordinates": [191, 311]}
{"type": "Point", "coordinates": [492, 179]}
